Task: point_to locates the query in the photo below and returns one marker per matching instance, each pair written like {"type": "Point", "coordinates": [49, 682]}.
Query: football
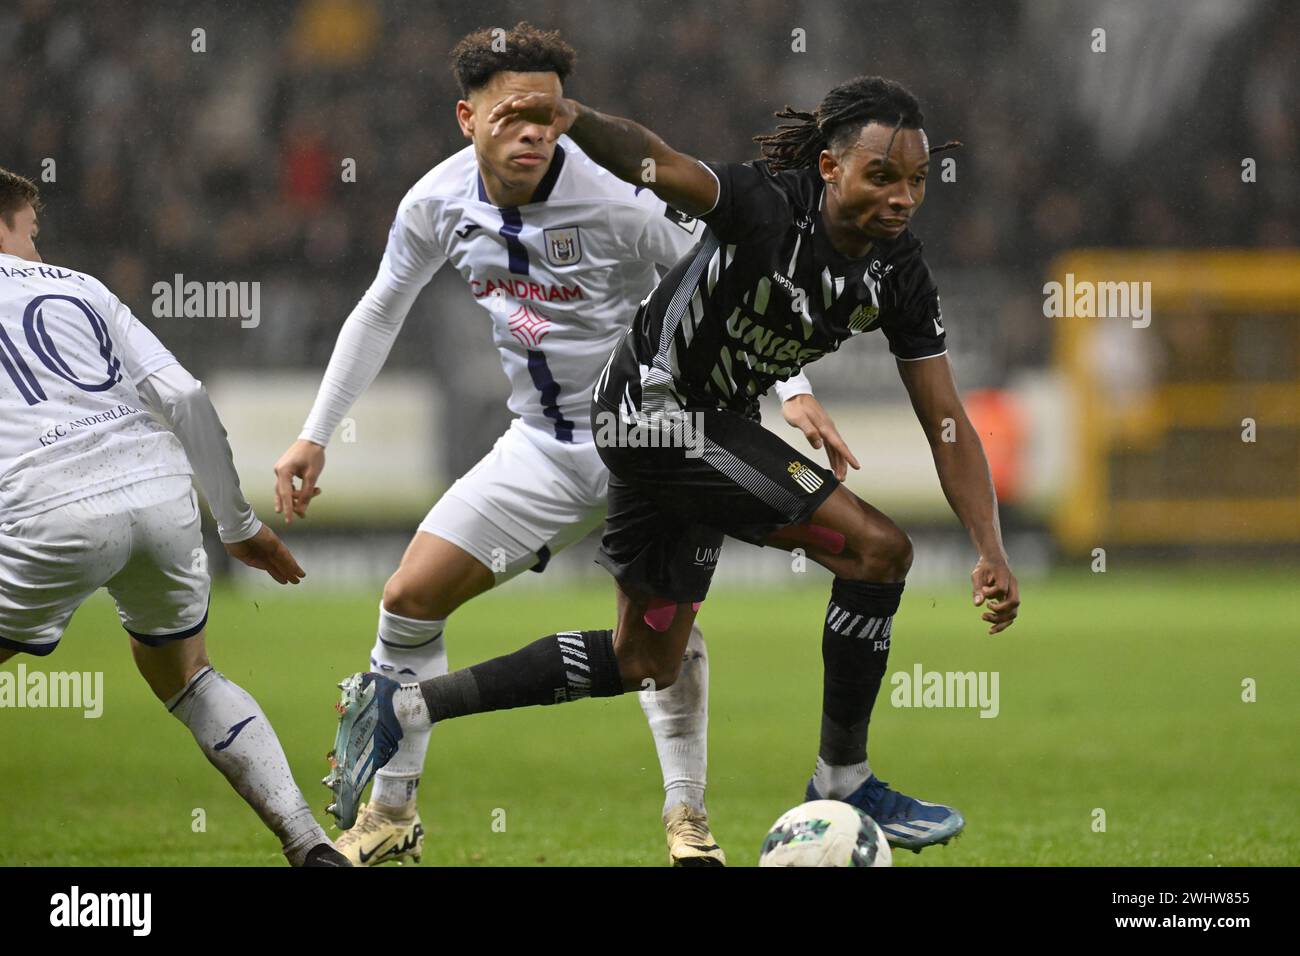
{"type": "Point", "coordinates": [825, 833]}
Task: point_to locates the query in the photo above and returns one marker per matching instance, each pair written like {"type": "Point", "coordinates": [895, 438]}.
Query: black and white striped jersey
{"type": "Point", "coordinates": [763, 294]}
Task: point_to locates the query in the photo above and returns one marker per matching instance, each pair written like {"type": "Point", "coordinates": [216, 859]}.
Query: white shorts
{"type": "Point", "coordinates": [142, 542]}
{"type": "Point", "coordinates": [527, 499]}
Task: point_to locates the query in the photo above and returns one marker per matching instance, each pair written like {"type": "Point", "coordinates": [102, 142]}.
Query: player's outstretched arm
{"type": "Point", "coordinates": [627, 149]}
{"type": "Point", "coordinates": [410, 260]}
{"type": "Point", "coordinates": [964, 474]}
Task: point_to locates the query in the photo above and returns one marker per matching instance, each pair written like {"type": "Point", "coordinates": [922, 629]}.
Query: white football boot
{"type": "Point", "coordinates": [381, 837]}
{"type": "Point", "coordinates": [689, 841]}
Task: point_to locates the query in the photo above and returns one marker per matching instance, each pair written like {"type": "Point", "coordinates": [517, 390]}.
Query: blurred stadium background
{"type": "Point", "coordinates": [226, 165]}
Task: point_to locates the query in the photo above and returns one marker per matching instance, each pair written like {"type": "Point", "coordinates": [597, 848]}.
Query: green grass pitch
{"type": "Point", "coordinates": [1119, 691]}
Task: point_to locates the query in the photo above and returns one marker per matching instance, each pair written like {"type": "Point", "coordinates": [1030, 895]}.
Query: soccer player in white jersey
{"type": "Point", "coordinates": [559, 252]}
{"type": "Point", "coordinates": [95, 492]}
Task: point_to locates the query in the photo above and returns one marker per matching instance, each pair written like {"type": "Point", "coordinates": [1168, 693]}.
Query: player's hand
{"type": "Point", "coordinates": [994, 586]}
{"type": "Point", "coordinates": [805, 413]}
{"type": "Point", "coordinates": [266, 552]}
{"type": "Point", "coordinates": [305, 460]}
{"type": "Point", "coordinates": [544, 109]}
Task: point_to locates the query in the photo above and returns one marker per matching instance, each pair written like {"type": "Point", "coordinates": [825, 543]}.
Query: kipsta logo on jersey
{"type": "Point", "coordinates": [528, 326]}
{"type": "Point", "coordinates": [805, 477]}
{"type": "Point", "coordinates": [563, 247]}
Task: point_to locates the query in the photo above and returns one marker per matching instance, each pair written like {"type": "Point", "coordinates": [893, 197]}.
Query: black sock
{"type": "Point", "coordinates": [567, 666]}
{"type": "Point", "coordinates": [855, 651]}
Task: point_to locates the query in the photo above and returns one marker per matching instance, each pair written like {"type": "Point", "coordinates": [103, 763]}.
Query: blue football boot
{"type": "Point", "coordinates": [367, 739]}
{"type": "Point", "coordinates": [908, 823]}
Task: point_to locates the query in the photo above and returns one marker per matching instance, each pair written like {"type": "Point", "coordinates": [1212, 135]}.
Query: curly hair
{"type": "Point", "coordinates": [523, 48]}
{"type": "Point", "coordinates": [15, 192]}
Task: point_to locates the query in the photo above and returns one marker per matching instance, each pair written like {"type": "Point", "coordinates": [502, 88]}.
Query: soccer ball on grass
{"type": "Point", "coordinates": [825, 833]}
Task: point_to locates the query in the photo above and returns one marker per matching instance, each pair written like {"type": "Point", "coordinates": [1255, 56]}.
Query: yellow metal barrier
{"type": "Point", "coordinates": [1211, 293]}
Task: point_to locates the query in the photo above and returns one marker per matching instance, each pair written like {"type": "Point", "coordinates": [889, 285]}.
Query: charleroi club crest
{"type": "Point", "coordinates": [805, 477]}
{"type": "Point", "coordinates": [563, 246]}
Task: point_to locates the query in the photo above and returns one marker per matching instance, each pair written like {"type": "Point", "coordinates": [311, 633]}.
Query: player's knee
{"type": "Point", "coordinates": [404, 598]}
{"type": "Point", "coordinates": [882, 553]}
{"type": "Point", "coordinates": [901, 552]}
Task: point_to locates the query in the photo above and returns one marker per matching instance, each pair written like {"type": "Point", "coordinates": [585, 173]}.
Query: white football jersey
{"type": "Point", "coordinates": [561, 277]}
{"type": "Point", "coordinates": [71, 421]}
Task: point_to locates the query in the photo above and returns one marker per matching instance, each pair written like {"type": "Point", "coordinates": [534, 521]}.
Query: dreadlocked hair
{"type": "Point", "coordinates": [844, 111]}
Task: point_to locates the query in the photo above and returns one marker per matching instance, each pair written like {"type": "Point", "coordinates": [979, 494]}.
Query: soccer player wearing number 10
{"type": "Point", "coordinates": [95, 492]}
{"type": "Point", "coordinates": [559, 252]}
{"type": "Point", "coordinates": [805, 249]}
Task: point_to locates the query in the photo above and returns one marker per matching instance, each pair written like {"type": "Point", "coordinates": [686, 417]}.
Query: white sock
{"type": "Point", "coordinates": [408, 650]}
{"type": "Point", "coordinates": [679, 720]}
{"type": "Point", "coordinates": [411, 710]}
{"type": "Point", "coordinates": [236, 737]}
{"type": "Point", "coordinates": [837, 782]}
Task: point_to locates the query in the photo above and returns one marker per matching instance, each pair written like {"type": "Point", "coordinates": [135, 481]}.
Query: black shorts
{"type": "Point", "coordinates": [669, 507]}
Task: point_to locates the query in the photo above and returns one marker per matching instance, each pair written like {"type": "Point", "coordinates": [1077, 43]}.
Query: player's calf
{"type": "Point", "coordinates": [647, 664]}
{"type": "Point", "coordinates": [651, 638]}
{"type": "Point", "coordinates": [234, 734]}
{"type": "Point", "coordinates": [857, 632]}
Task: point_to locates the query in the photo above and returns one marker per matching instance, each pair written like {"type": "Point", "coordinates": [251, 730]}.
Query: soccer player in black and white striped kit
{"type": "Point", "coordinates": [805, 249]}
